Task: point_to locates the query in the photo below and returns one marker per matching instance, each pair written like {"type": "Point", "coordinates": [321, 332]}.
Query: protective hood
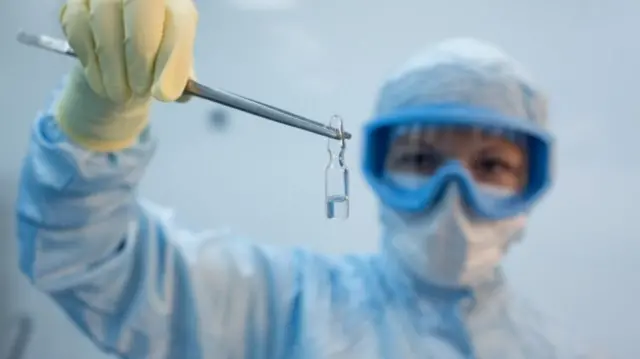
{"type": "Point", "coordinates": [465, 72]}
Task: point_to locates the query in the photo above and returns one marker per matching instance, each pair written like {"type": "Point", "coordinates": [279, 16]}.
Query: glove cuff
{"type": "Point", "coordinates": [97, 123]}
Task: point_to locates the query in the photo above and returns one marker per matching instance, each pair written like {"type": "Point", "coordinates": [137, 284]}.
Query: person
{"type": "Point", "coordinates": [457, 152]}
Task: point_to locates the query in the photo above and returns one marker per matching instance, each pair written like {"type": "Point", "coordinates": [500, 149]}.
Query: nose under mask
{"type": "Point", "coordinates": [445, 245]}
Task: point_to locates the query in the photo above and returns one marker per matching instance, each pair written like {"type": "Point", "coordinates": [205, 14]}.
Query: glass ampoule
{"type": "Point", "coordinates": [337, 175]}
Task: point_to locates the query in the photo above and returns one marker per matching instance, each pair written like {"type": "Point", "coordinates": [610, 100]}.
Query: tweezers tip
{"type": "Point", "coordinates": [26, 38]}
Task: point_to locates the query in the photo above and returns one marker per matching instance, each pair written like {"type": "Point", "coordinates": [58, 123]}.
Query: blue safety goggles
{"type": "Point", "coordinates": [536, 143]}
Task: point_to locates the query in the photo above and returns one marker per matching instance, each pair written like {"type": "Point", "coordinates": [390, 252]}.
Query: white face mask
{"type": "Point", "coordinates": [446, 246]}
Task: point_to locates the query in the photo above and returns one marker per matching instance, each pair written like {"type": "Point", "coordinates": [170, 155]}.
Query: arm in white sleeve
{"type": "Point", "coordinates": [130, 280]}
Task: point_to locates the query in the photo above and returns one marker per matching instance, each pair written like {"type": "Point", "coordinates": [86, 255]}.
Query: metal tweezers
{"type": "Point", "coordinates": [219, 96]}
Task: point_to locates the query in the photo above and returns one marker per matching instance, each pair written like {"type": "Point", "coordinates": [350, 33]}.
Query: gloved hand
{"type": "Point", "coordinates": [130, 52]}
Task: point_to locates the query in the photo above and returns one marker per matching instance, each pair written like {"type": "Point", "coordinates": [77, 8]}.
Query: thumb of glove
{"type": "Point", "coordinates": [187, 97]}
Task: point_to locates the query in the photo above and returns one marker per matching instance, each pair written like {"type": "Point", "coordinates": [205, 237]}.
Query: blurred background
{"type": "Point", "coordinates": [221, 168]}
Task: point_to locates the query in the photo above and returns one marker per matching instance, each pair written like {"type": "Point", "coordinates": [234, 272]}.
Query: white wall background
{"type": "Point", "coordinates": [317, 58]}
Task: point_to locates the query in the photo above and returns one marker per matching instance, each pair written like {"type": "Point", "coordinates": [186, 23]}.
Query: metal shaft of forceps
{"type": "Point", "coordinates": [219, 96]}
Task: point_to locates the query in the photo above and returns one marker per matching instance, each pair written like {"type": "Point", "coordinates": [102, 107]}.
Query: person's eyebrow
{"type": "Point", "coordinates": [508, 152]}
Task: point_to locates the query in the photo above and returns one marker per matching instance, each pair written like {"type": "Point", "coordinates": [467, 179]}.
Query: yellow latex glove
{"type": "Point", "coordinates": [131, 51]}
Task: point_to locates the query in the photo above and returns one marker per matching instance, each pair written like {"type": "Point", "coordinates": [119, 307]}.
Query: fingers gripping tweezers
{"type": "Point", "coordinates": [219, 96]}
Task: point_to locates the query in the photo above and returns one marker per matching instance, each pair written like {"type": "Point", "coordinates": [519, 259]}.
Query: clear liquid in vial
{"type": "Point", "coordinates": [337, 207]}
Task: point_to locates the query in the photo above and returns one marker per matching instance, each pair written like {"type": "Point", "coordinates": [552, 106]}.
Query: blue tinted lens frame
{"type": "Point", "coordinates": [378, 138]}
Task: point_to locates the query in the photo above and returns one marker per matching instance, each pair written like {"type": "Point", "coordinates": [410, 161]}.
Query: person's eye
{"type": "Point", "coordinates": [419, 161]}
{"type": "Point", "coordinates": [495, 166]}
